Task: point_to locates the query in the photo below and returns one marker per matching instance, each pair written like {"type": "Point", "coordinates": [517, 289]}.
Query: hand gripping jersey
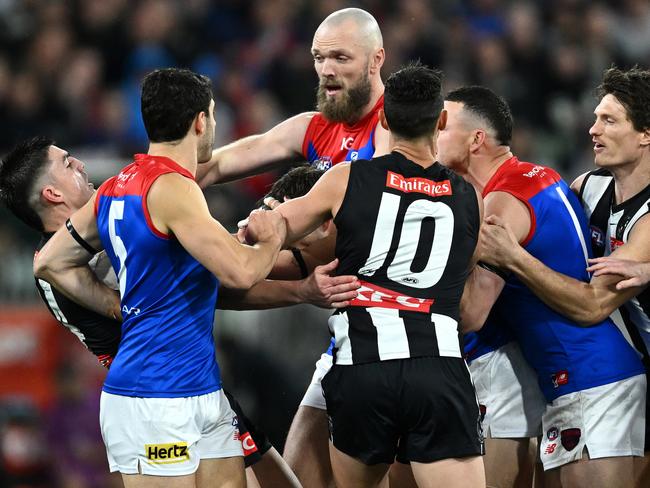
{"type": "Point", "coordinates": [168, 297]}
{"type": "Point", "coordinates": [328, 143]}
{"type": "Point", "coordinates": [565, 356]}
{"type": "Point", "coordinates": [610, 226]}
{"type": "Point", "coordinates": [99, 334]}
{"type": "Point", "coordinates": [408, 233]}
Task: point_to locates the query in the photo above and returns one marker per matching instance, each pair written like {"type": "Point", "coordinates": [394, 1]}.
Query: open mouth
{"type": "Point", "coordinates": [598, 147]}
{"type": "Point", "coordinates": [332, 89]}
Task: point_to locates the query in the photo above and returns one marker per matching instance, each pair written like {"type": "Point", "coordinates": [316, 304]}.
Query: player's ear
{"type": "Point", "coordinates": [442, 120]}
{"type": "Point", "coordinates": [377, 61]}
{"type": "Point", "coordinates": [382, 119]}
{"type": "Point", "coordinates": [51, 194]}
{"type": "Point", "coordinates": [200, 123]}
{"type": "Point", "coordinates": [645, 137]}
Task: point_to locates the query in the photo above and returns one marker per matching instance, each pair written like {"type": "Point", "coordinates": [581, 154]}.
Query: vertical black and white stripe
{"type": "Point", "coordinates": [99, 334]}
{"type": "Point", "coordinates": [616, 221]}
{"type": "Point", "coordinates": [407, 245]}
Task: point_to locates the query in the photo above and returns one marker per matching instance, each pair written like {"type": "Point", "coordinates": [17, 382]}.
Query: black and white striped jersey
{"type": "Point", "coordinates": [610, 226]}
{"type": "Point", "coordinates": [99, 334]}
{"type": "Point", "coordinates": [408, 233]}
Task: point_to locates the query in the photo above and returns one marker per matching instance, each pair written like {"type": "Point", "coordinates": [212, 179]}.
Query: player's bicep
{"type": "Point", "coordinates": [511, 210]}
{"type": "Point", "coordinates": [306, 213]}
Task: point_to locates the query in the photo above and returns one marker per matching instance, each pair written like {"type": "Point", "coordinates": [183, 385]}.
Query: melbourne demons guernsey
{"type": "Point", "coordinates": [565, 356]}
{"type": "Point", "coordinates": [610, 226]}
{"type": "Point", "coordinates": [409, 234]}
{"type": "Point", "coordinates": [328, 143]}
{"type": "Point", "coordinates": [168, 297]}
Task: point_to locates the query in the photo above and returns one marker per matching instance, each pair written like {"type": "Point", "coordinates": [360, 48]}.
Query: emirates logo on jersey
{"type": "Point", "coordinates": [418, 185]}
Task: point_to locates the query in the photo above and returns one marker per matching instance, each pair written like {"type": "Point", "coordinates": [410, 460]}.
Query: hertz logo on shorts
{"type": "Point", "coordinates": [167, 453]}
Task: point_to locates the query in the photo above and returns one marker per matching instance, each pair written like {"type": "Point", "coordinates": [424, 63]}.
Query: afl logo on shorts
{"type": "Point", "coordinates": [552, 433]}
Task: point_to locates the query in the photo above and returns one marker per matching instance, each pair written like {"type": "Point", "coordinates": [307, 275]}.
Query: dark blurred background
{"type": "Point", "coordinates": [71, 70]}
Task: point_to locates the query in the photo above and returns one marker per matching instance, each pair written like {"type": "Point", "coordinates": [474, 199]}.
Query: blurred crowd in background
{"type": "Point", "coordinates": [71, 70]}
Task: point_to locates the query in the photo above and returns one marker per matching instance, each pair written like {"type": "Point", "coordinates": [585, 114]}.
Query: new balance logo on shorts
{"type": "Point", "coordinates": [167, 453]}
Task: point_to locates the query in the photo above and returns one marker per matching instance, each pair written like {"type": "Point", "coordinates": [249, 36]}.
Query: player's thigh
{"type": "Point", "coordinates": [149, 481]}
{"type": "Point", "coordinates": [308, 436]}
{"type": "Point", "coordinates": [401, 476]}
{"type": "Point", "coordinates": [352, 473]}
{"type": "Point", "coordinates": [451, 473]}
{"type": "Point", "coordinates": [221, 473]}
{"type": "Point", "coordinates": [509, 463]}
{"type": "Point", "coordinates": [306, 449]}
{"type": "Point", "coordinates": [614, 472]}
{"type": "Point", "coordinates": [642, 470]}
{"type": "Point", "coordinates": [273, 471]}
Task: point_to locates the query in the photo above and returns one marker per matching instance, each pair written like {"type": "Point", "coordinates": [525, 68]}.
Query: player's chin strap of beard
{"type": "Point", "coordinates": [80, 240]}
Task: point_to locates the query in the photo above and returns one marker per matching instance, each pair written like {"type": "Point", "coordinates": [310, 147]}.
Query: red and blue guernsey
{"type": "Point", "coordinates": [168, 297]}
{"type": "Point", "coordinates": [328, 143]}
{"type": "Point", "coordinates": [565, 356]}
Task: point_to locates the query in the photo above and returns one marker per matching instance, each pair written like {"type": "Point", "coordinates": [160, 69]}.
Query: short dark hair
{"type": "Point", "coordinates": [295, 183]}
{"type": "Point", "coordinates": [632, 89]}
{"type": "Point", "coordinates": [171, 98]}
{"type": "Point", "coordinates": [412, 100]}
{"type": "Point", "coordinates": [20, 171]}
{"type": "Point", "coordinates": [487, 105]}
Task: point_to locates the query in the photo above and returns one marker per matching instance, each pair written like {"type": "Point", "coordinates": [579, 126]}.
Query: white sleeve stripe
{"type": "Point", "coordinates": [576, 223]}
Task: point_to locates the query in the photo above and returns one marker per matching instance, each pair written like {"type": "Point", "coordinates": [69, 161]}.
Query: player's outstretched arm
{"type": "Point", "coordinates": [304, 214]}
{"type": "Point", "coordinates": [633, 273]}
{"type": "Point", "coordinates": [584, 303]}
{"type": "Point", "coordinates": [177, 206]}
{"type": "Point", "coordinates": [63, 262]}
{"type": "Point", "coordinates": [320, 288]}
{"type": "Point", "coordinates": [256, 154]}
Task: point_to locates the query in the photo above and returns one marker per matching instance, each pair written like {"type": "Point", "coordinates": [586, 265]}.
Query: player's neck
{"type": "Point", "coordinates": [56, 217]}
{"type": "Point", "coordinates": [483, 167]}
{"type": "Point", "coordinates": [182, 153]}
{"type": "Point", "coordinates": [419, 152]}
{"type": "Point", "coordinates": [630, 178]}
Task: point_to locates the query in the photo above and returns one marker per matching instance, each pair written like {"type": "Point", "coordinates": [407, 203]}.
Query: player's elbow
{"type": "Point", "coordinates": [592, 316]}
{"type": "Point", "coordinates": [42, 268]}
{"type": "Point", "coordinates": [243, 279]}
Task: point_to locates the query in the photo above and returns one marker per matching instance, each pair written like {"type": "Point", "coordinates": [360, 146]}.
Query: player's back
{"type": "Point", "coordinates": [409, 234]}
{"type": "Point", "coordinates": [566, 357]}
{"type": "Point", "coordinates": [167, 296]}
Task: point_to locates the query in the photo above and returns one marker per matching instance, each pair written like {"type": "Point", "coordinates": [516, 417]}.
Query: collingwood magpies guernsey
{"type": "Point", "coordinates": [167, 297]}
{"type": "Point", "coordinates": [409, 234]}
{"type": "Point", "coordinates": [565, 356]}
{"type": "Point", "coordinates": [610, 226]}
{"type": "Point", "coordinates": [328, 143]}
{"type": "Point", "coordinates": [98, 333]}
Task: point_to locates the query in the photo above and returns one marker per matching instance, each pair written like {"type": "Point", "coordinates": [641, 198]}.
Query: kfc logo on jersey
{"type": "Point", "coordinates": [614, 243]}
{"type": "Point", "coordinates": [597, 236]}
{"type": "Point", "coordinates": [560, 378]}
{"type": "Point", "coordinates": [534, 172]}
{"type": "Point", "coordinates": [418, 185]}
{"type": "Point", "coordinates": [370, 295]}
{"type": "Point", "coordinates": [347, 143]}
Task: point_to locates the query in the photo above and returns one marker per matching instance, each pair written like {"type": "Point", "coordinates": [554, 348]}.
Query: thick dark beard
{"type": "Point", "coordinates": [349, 108]}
